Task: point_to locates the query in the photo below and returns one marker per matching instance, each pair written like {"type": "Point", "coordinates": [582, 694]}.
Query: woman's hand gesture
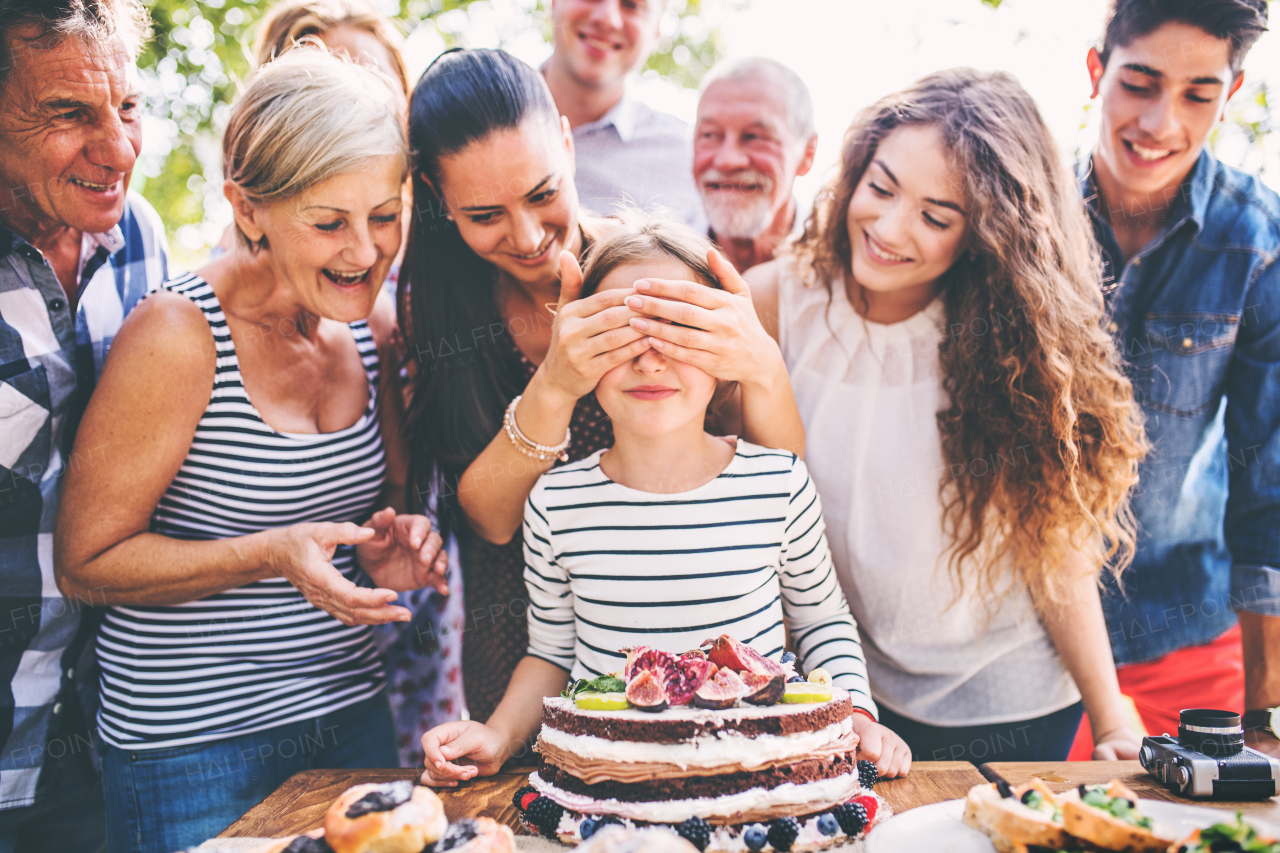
{"type": "Point", "coordinates": [300, 553]}
{"type": "Point", "coordinates": [590, 336]}
{"type": "Point", "coordinates": [715, 330]}
{"type": "Point", "coordinates": [404, 553]}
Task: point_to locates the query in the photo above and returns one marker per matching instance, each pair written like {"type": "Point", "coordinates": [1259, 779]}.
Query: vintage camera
{"type": "Point", "coordinates": [1208, 758]}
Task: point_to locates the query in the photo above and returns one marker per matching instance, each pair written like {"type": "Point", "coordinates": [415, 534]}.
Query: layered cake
{"type": "Point", "coordinates": [731, 750]}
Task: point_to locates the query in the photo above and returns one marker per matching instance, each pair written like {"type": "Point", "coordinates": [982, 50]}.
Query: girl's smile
{"type": "Point", "coordinates": [651, 392]}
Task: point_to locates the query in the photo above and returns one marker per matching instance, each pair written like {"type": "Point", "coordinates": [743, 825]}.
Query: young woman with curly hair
{"type": "Point", "coordinates": [968, 426]}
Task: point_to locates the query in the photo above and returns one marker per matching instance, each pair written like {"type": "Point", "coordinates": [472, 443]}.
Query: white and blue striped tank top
{"type": "Point", "coordinates": [260, 655]}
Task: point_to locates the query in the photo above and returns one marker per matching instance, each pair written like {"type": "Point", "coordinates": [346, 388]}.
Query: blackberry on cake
{"type": "Point", "coordinates": [852, 818]}
{"type": "Point", "coordinates": [867, 774]}
{"type": "Point", "coordinates": [518, 798]}
{"type": "Point", "coordinates": [696, 831]}
{"type": "Point", "coordinates": [544, 814]}
{"type": "Point", "coordinates": [783, 832]}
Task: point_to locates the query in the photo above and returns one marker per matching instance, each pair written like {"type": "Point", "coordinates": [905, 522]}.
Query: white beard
{"type": "Point", "coordinates": [734, 214]}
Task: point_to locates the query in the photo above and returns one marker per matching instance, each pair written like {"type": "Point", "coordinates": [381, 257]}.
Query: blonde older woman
{"type": "Point", "coordinates": [243, 429]}
{"type": "Point", "coordinates": [423, 657]}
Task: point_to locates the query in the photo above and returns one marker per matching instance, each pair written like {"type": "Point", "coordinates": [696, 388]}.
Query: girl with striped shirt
{"type": "Point", "coordinates": [668, 538]}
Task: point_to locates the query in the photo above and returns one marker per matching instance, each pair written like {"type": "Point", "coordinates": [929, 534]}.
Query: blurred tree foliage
{"type": "Point", "coordinates": [201, 52]}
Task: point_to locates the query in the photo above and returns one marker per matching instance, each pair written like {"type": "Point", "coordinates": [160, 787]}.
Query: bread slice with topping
{"type": "Point", "coordinates": [1110, 817]}
{"type": "Point", "coordinates": [1016, 818]}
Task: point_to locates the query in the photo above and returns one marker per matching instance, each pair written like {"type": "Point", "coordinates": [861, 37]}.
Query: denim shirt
{"type": "Point", "coordinates": [1196, 315]}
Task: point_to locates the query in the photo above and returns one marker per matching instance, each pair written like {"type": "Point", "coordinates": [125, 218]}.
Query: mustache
{"type": "Point", "coordinates": [763, 182]}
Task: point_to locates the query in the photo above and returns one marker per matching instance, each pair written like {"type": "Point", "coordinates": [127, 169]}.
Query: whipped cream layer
{"type": "Point", "coordinates": [721, 749]}
{"type": "Point", "coordinates": [745, 806]}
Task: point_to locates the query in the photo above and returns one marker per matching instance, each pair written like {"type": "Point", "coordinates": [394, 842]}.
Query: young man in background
{"type": "Point", "coordinates": [626, 152]}
{"type": "Point", "coordinates": [1193, 289]}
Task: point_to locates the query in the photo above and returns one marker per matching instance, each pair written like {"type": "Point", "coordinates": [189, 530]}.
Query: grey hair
{"type": "Point", "coordinates": [97, 22]}
{"type": "Point", "coordinates": [307, 117]}
{"type": "Point", "coordinates": [799, 102]}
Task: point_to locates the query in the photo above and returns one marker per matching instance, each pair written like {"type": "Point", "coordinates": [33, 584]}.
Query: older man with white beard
{"type": "Point", "coordinates": [754, 136]}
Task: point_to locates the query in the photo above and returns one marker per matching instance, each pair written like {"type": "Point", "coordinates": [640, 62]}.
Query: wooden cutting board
{"type": "Point", "coordinates": [300, 803]}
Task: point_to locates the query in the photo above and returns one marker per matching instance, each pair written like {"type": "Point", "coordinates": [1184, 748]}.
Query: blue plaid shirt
{"type": "Point", "coordinates": [50, 360]}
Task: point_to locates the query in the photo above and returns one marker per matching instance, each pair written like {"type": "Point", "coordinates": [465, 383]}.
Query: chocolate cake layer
{"type": "Point", "coordinates": [688, 787]}
{"type": "Point", "coordinates": [671, 727]}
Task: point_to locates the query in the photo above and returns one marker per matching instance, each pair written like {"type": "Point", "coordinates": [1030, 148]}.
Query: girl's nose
{"type": "Point", "coordinates": [651, 362]}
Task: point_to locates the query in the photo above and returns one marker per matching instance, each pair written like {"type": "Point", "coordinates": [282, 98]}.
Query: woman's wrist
{"type": "Point", "coordinates": [261, 553]}
{"type": "Point", "coordinates": [771, 378]}
{"type": "Point", "coordinates": [541, 401]}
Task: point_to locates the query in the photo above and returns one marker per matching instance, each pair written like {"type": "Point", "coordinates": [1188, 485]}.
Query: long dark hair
{"type": "Point", "coordinates": [447, 307]}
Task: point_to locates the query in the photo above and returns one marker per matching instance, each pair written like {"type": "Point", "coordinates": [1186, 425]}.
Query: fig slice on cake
{"type": "Point", "coordinates": [720, 691]}
{"type": "Point", "coordinates": [728, 653]}
{"type": "Point", "coordinates": [762, 689]}
{"type": "Point", "coordinates": [647, 692]}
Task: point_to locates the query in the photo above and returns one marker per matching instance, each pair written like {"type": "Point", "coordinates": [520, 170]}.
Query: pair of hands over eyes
{"type": "Point", "coordinates": [715, 330]}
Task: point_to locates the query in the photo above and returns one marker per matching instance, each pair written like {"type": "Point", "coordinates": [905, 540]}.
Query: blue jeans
{"type": "Point", "coordinates": [1046, 738]}
{"type": "Point", "coordinates": [162, 800]}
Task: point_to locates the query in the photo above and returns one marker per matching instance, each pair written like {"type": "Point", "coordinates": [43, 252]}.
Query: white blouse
{"type": "Point", "coordinates": [869, 395]}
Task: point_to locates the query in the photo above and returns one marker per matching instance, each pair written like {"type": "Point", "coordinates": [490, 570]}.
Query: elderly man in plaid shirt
{"type": "Point", "coordinates": [77, 251]}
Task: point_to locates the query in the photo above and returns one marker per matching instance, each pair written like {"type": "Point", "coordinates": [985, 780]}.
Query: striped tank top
{"type": "Point", "coordinates": [260, 655]}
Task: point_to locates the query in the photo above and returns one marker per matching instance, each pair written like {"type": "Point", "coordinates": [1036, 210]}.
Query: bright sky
{"type": "Point", "coordinates": [851, 52]}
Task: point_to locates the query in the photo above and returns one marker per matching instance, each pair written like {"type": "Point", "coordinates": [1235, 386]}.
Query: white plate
{"type": "Point", "coordinates": [938, 827]}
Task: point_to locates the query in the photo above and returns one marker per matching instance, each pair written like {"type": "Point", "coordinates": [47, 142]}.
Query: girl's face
{"type": "Point", "coordinates": [652, 395]}
{"type": "Point", "coordinates": [906, 218]}
{"type": "Point", "coordinates": [513, 198]}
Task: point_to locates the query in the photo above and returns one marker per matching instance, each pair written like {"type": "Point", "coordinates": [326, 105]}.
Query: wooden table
{"type": "Point", "coordinates": [300, 803]}
{"type": "Point", "coordinates": [1061, 775]}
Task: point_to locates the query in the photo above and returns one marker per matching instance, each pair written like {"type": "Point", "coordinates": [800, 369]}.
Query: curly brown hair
{"type": "Point", "coordinates": [1026, 362]}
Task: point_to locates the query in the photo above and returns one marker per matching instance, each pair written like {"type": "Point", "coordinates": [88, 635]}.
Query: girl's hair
{"type": "Point", "coordinates": [446, 290]}
{"type": "Point", "coordinates": [305, 118]}
{"type": "Point", "coordinates": [655, 236]}
{"type": "Point", "coordinates": [644, 237]}
{"type": "Point", "coordinates": [1041, 435]}
{"type": "Point", "coordinates": [289, 21]}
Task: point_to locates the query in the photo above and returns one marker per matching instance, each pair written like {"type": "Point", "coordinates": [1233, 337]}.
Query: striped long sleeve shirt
{"type": "Point", "coordinates": [609, 567]}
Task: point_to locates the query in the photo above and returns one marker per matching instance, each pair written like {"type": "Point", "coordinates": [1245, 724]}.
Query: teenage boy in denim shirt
{"type": "Point", "coordinates": [1193, 287]}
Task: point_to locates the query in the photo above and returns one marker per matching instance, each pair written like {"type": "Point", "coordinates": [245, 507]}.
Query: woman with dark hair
{"type": "Point", "coordinates": [504, 359]}
{"type": "Point", "coordinates": [971, 433]}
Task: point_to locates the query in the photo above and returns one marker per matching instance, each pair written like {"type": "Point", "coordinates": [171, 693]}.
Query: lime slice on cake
{"type": "Point", "coordinates": [803, 692]}
{"type": "Point", "coordinates": [602, 701]}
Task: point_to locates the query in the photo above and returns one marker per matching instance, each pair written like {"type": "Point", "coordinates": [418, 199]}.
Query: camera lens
{"type": "Point", "coordinates": [1211, 732]}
